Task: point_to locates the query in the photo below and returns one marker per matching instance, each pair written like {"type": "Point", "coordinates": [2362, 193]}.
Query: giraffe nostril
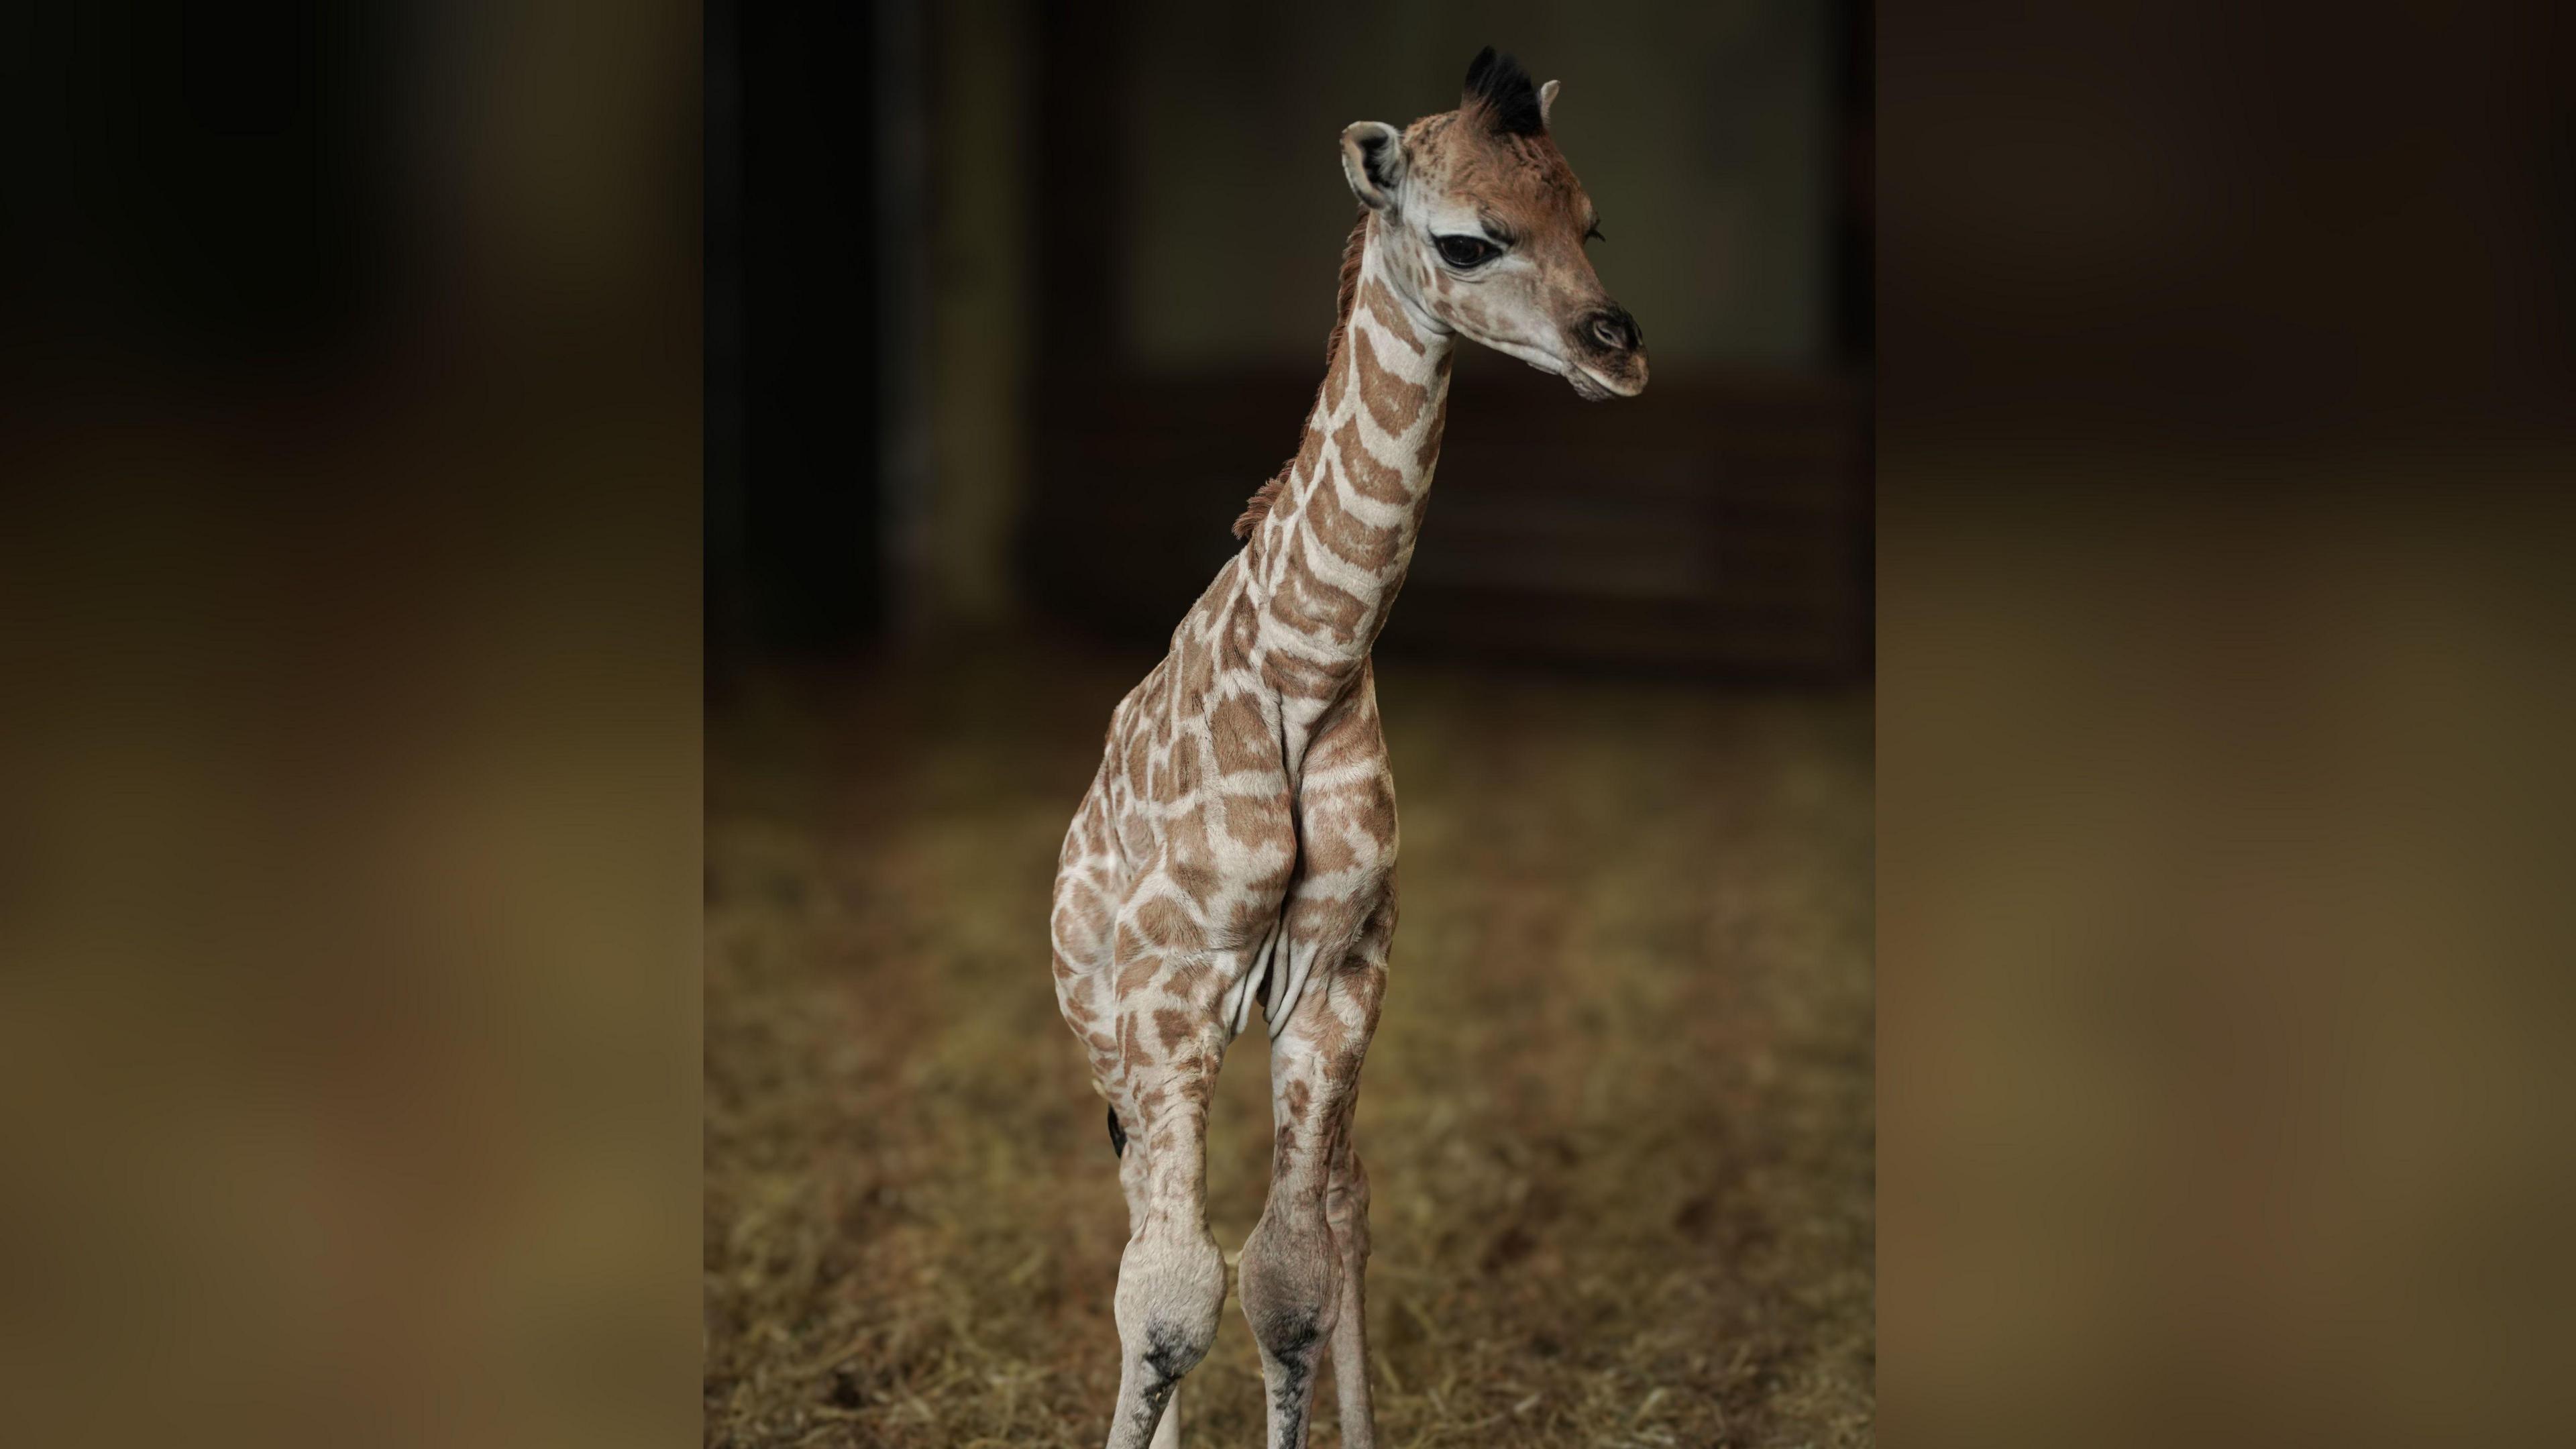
{"type": "Point", "coordinates": [1614, 330]}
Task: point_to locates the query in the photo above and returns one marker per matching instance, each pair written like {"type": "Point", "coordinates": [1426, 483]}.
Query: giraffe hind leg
{"type": "Point", "coordinates": [1300, 1267]}
{"type": "Point", "coordinates": [1346, 1210]}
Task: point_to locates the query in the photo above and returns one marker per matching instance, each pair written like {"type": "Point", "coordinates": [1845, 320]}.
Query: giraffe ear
{"type": "Point", "coordinates": [1546, 101]}
{"type": "Point", "coordinates": [1373, 161]}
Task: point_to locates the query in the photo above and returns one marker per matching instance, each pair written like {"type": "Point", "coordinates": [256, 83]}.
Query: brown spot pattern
{"type": "Point", "coordinates": [1390, 315]}
{"type": "Point", "coordinates": [1369, 477]}
{"type": "Point", "coordinates": [1391, 400]}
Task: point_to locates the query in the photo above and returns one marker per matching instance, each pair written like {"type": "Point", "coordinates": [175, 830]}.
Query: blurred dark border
{"type": "Point", "coordinates": [349, 751]}
{"type": "Point", "coordinates": [2226, 475]}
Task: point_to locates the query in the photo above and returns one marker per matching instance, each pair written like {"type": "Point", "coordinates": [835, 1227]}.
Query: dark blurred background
{"type": "Point", "coordinates": [1011, 305]}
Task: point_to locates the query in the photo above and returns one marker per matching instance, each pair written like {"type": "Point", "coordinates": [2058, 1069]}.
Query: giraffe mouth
{"type": "Point", "coordinates": [1594, 386]}
{"type": "Point", "coordinates": [1586, 386]}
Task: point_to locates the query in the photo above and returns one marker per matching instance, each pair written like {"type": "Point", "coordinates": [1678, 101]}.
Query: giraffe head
{"type": "Point", "coordinates": [1483, 224]}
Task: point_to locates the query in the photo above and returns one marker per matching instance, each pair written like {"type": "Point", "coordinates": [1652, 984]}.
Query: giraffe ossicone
{"type": "Point", "coordinates": [1238, 846]}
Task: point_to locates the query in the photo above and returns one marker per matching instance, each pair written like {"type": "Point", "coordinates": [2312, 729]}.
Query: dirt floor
{"type": "Point", "coordinates": [1618, 1118]}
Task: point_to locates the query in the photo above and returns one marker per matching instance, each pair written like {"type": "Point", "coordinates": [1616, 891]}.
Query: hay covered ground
{"type": "Point", "coordinates": [1619, 1113]}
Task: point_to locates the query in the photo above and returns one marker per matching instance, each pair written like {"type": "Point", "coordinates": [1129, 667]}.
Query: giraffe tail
{"type": "Point", "coordinates": [1237, 1006]}
{"type": "Point", "coordinates": [1290, 985]}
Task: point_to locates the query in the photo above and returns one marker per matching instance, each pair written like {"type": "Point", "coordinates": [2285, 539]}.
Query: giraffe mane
{"type": "Point", "coordinates": [1258, 506]}
{"type": "Point", "coordinates": [1500, 97]}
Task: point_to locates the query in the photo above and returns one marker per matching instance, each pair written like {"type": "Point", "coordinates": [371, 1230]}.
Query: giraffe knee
{"type": "Point", "coordinates": [1171, 1292]}
{"type": "Point", "coordinates": [1291, 1288]}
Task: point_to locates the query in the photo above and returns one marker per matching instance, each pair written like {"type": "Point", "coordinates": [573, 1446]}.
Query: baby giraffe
{"type": "Point", "coordinates": [1238, 845]}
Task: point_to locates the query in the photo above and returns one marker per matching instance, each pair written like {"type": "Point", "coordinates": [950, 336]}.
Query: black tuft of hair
{"type": "Point", "coordinates": [1498, 86]}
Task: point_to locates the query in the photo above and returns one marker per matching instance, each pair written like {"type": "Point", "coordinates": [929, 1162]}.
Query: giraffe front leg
{"type": "Point", "coordinates": [1167, 977]}
{"type": "Point", "coordinates": [1182, 939]}
{"type": "Point", "coordinates": [1301, 1290]}
{"type": "Point", "coordinates": [1171, 1278]}
{"type": "Point", "coordinates": [1346, 1203]}
{"type": "Point", "coordinates": [1131, 1179]}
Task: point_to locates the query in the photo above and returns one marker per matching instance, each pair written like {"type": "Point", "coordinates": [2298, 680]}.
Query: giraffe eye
{"type": "Point", "coordinates": [1464, 252]}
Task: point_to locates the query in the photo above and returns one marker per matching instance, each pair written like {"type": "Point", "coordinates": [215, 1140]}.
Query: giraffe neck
{"type": "Point", "coordinates": [1327, 561]}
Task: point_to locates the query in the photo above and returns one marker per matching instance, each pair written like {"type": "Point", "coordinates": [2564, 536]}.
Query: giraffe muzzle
{"type": "Point", "coordinates": [1608, 354]}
